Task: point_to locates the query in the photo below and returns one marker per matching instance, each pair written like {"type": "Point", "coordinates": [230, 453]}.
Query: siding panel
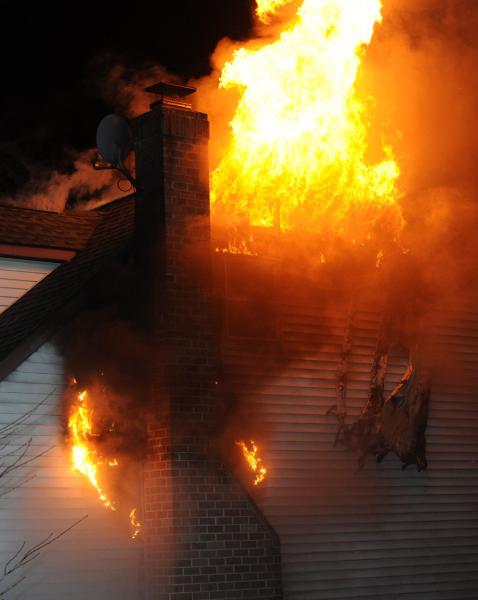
{"type": "Point", "coordinates": [17, 276]}
{"type": "Point", "coordinates": [97, 559]}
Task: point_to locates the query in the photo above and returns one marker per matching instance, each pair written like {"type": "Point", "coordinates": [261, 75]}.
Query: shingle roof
{"type": "Point", "coordinates": [101, 235]}
{"type": "Point", "coordinates": [67, 231]}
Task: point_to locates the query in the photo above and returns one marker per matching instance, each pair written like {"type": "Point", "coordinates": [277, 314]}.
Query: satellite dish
{"type": "Point", "coordinates": [113, 139]}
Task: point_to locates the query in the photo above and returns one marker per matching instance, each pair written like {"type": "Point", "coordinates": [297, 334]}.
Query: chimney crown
{"type": "Point", "coordinates": [171, 95]}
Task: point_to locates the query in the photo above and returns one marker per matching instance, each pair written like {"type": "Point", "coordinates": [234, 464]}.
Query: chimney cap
{"type": "Point", "coordinates": [171, 95]}
{"type": "Point", "coordinates": [170, 89]}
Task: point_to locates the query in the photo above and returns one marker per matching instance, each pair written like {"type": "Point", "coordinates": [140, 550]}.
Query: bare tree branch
{"type": "Point", "coordinates": [5, 489]}
{"type": "Point", "coordinates": [20, 559]}
{"type": "Point", "coordinates": [18, 463]}
{"type": "Point", "coordinates": [4, 592]}
{"type": "Point", "coordinates": [24, 555]}
{"type": "Point", "coordinates": [9, 427]}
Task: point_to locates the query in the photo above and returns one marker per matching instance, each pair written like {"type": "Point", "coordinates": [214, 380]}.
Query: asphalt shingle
{"type": "Point", "coordinates": [97, 236]}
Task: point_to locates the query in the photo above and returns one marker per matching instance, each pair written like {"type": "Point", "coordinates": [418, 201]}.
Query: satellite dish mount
{"type": "Point", "coordinates": [114, 142]}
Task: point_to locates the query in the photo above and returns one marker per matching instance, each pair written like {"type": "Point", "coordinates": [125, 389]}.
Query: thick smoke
{"type": "Point", "coordinates": [73, 183]}
{"type": "Point", "coordinates": [56, 191]}
{"type": "Point", "coordinates": [67, 180]}
{"type": "Point", "coordinates": [34, 186]}
{"type": "Point", "coordinates": [122, 86]}
{"type": "Point", "coordinates": [108, 353]}
{"type": "Point", "coordinates": [421, 70]}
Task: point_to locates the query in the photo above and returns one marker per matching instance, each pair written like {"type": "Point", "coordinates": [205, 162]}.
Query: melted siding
{"type": "Point", "coordinates": [382, 533]}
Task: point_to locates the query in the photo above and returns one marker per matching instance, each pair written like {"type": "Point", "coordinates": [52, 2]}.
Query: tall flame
{"type": "Point", "coordinates": [250, 453]}
{"type": "Point", "coordinates": [265, 8]}
{"type": "Point", "coordinates": [85, 459]}
{"type": "Point", "coordinates": [297, 156]}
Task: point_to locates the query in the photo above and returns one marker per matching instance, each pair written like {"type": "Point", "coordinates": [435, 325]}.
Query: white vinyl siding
{"type": "Point", "coordinates": [17, 276]}
{"type": "Point", "coordinates": [95, 560]}
{"type": "Point", "coordinates": [380, 533]}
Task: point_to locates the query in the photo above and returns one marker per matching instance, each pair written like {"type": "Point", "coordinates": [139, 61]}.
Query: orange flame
{"type": "Point", "coordinates": [135, 524]}
{"type": "Point", "coordinates": [297, 155]}
{"type": "Point", "coordinates": [84, 458]}
{"type": "Point", "coordinates": [250, 454]}
{"type": "Point", "coordinates": [265, 8]}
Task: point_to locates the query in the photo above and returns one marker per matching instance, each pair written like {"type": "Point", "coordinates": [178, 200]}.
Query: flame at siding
{"type": "Point", "coordinates": [85, 459]}
{"type": "Point", "coordinates": [250, 453]}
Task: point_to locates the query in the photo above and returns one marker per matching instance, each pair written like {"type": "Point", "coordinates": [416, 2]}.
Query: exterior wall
{"type": "Point", "coordinates": [205, 538]}
{"type": "Point", "coordinates": [95, 560]}
{"type": "Point", "coordinates": [17, 276]}
{"type": "Point", "coordinates": [380, 533]}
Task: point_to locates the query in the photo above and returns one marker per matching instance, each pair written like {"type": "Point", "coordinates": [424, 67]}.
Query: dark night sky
{"type": "Point", "coordinates": [53, 60]}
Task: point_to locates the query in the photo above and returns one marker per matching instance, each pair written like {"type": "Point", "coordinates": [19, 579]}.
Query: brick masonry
{"type": "Point", "coordinates": [204, 537]}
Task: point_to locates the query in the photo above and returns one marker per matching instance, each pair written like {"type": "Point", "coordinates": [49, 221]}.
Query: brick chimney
{"type": "Point", "coordinates": [204, 537]}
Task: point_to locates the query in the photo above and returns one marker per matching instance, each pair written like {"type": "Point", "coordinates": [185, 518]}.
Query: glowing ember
{"type": "Point", "coordinates": [250, 454]}
{"type": "Point", "coordinates": [297, 156]}
{"type": "Point", "coordinates": [85, 459]}
{"type": "Point", "coordinates": [135, 524]}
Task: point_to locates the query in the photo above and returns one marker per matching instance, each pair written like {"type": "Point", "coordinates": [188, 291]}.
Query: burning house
{"type": "Point", "coordinates": [280, 406]}
{"type": "Point", "coordinates": [174, 513]}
